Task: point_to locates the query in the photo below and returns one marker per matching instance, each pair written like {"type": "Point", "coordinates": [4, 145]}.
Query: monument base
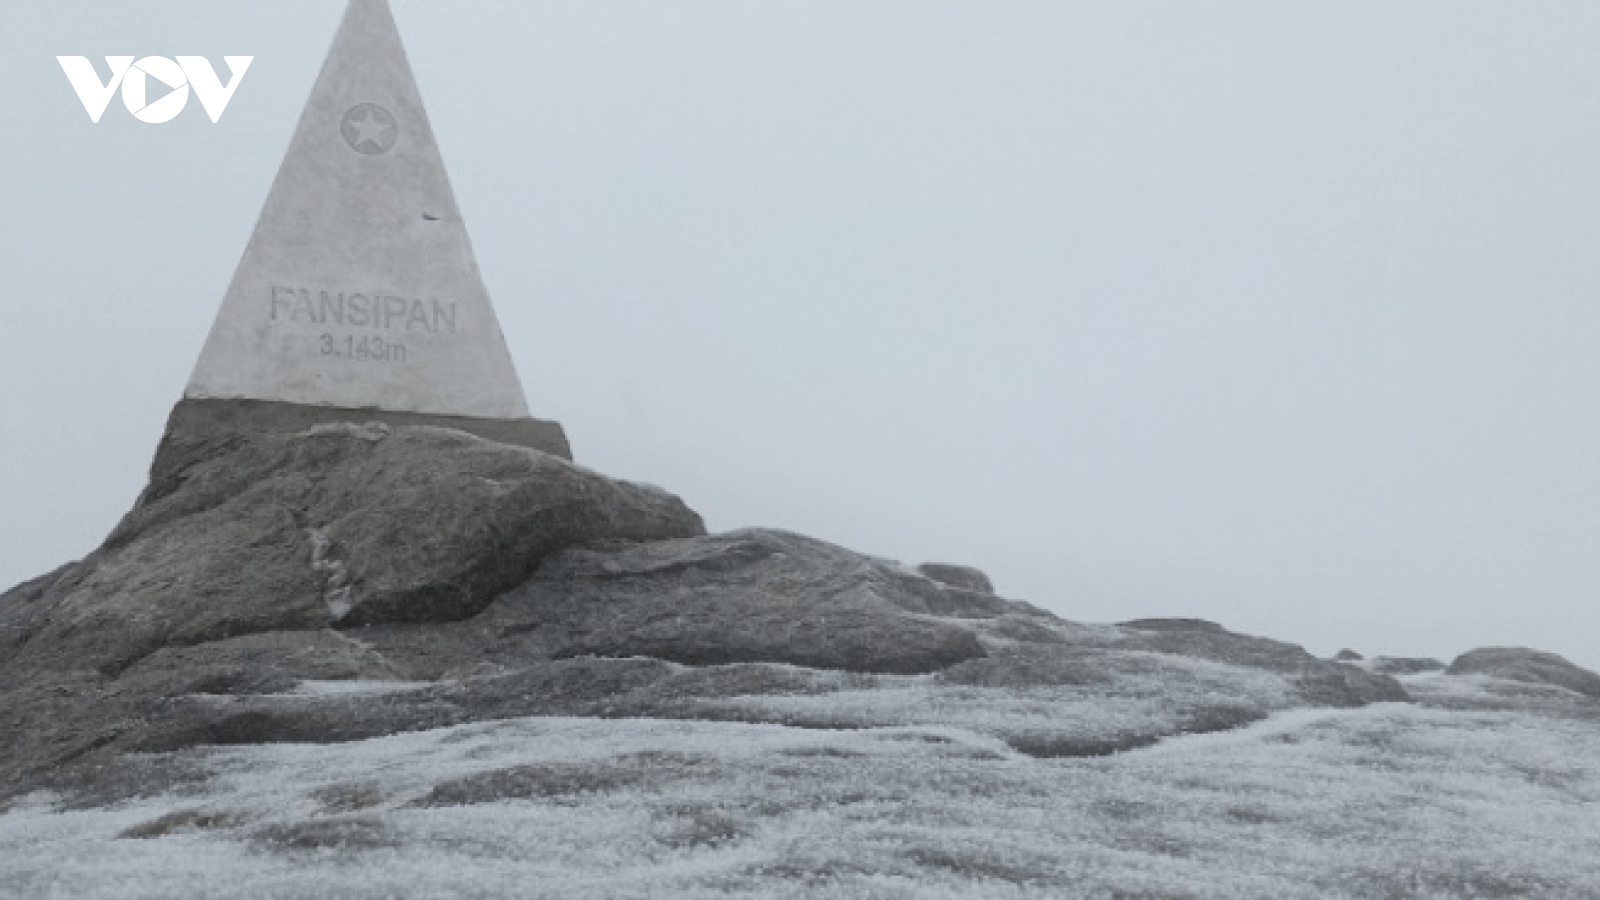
{"type": "Point", "coordinates": [195, 422]}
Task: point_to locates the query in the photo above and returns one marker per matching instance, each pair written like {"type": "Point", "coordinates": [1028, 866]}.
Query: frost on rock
{"type": "Point", "coordinates": [1390, 800]}
{"type": "Point", "coordinates": [419, 664]}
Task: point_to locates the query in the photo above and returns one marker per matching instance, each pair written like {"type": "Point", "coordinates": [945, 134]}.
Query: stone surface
{"type": "Point", "coordinates": [359, 287]}
{"type": "Point", "coordinates": [1208, 640]}
{"type": "Point", "coordinates": [1348, 655]}
{"type": "Point", "coordinates": [1323, 682]}
{"type": "Point", "coordinates": [355, 581]}
{"type": "Point", "coordinates": [1173, 625]}
{"type": "Point", "coordinates": [965, 577]}
{"type": "Point", "coordinates": [1532, 666]}
{"type": "Point", "coordinates": [263, 663]}
{"type": "Point", "coordinates": [747, 596]}
{"type": "Point", "coordinates": [1405, 665]}
{"type": "Point", "coordinates": [341, 525]}
{"type": "Point", "coordinates": [196, 426]}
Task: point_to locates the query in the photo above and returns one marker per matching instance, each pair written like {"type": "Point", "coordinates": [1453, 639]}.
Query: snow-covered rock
{"type": "Point", "coordinates": [958, 576]}
{"type": "Point", "coordinates": [1405, 665]}
{"type": "Point", "coordinates": [1324, 682]}
{"type": "Point", "coordinates": [1532, 666]}
{"type": "Point", "coordinates": [409, 662]}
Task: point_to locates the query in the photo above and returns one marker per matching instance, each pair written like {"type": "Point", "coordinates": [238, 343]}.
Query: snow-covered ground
{"type": "Point", "coordinates": [1386, 801]}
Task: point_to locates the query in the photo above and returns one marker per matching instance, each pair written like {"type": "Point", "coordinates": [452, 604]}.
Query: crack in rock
{"type": "Point", "coordinates": [336, 587]}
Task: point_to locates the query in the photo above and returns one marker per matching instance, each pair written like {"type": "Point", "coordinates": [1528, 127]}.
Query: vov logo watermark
{"type": "Point", "coordinates": [134, 79]}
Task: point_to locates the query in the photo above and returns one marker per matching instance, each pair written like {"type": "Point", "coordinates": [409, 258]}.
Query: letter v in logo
{"type": "Point", "coordinates": [95, 95]}
{"type": "Point", "coordinates": [213, 95]}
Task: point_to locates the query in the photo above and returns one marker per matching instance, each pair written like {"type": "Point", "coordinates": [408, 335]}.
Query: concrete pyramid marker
{"type": "Point", "coordinates": [358, 296]}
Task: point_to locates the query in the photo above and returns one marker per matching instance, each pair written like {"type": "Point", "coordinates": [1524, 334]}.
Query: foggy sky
{"type": "Point", "coordinates": [1279, 315]}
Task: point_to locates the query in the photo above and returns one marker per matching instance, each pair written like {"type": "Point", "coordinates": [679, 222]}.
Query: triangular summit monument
{"type": "Point", "coordinates": [358, 297]}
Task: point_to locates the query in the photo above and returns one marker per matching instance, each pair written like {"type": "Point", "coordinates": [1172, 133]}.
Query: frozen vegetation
{"type": "Point", "coordinates": [1481, 789]}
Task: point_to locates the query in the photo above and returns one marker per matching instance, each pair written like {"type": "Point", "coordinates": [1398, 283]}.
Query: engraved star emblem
{"type": "Point", "coordinates": [369, 128]}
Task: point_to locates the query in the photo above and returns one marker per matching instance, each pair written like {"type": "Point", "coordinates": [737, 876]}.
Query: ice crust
{"type": "Point", "coordinates": [1383, 801]}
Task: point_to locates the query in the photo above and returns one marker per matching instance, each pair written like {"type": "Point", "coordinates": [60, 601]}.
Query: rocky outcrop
{"type": "Point", "coordinates": [352, 581]}
{"type": "Point", "coordinates": [747, 596]}
{"type": "Point", "coordinates": [340, 525]}
{"type": "Point", "coordinates": [195, 426]}
{"type": "Point", "coordinates": [1530, 666]}
{"type": "Point", "coordinates": [1323, 682]}
{"type": "Point", "coordinates": [964, 577]}
{"type": "Point", "coordinates": [1405, 665]}
{"type": "Point", "coordinates": [1208, 640]}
